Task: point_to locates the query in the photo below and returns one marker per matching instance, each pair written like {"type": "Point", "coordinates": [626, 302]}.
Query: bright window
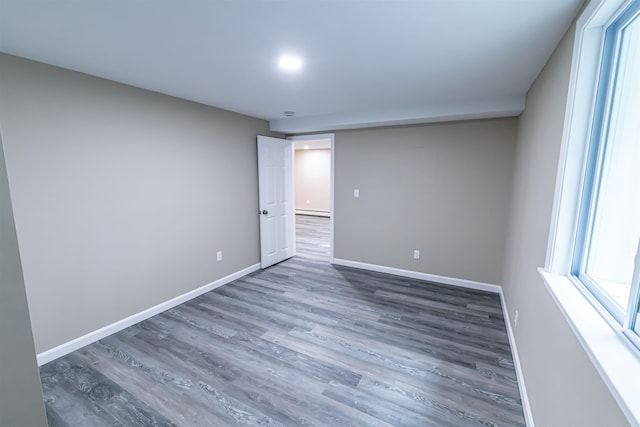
{"type": "Point", "coordinates": [592, 270]}
{"type": "Point", "coordinates": [605, 258]}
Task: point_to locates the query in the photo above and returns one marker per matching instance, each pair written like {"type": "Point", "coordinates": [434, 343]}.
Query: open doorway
{"type": "Point", "coordinates": [313, 182]}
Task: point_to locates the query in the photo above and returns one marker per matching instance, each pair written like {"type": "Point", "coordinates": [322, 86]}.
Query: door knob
{"type": "Point", "coordinates": [264, 212]}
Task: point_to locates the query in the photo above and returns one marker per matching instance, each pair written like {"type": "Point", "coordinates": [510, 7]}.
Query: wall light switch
{"type": "Point", "coordinates": [416, 254]}
{"type": "Point", "coordinates": [356, 193]}
{"type": "Point", "coordinates": [219, 256]}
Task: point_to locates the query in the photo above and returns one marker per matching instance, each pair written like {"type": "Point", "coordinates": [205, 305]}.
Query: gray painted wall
{"type": "Point", "coordinates": [20, 392]}
{"type": "Point", "coordinates": [564, 387]}
{"type": "Point", "coordinates": [440, 188]}
{"type": "Point", "coordinates": [121, 196]}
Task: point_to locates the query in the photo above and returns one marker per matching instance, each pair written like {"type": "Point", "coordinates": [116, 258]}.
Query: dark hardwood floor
{"type": "Point", "coordinates": [301, 343]}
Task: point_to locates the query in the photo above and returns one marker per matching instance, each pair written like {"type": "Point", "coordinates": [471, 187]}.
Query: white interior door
{"type": "Point", "coordinates": [277, 207]}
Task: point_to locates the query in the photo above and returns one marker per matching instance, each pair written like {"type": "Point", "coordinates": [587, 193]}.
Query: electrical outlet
{"type": "Point", "coordinates": [416, 254]}
{"type": "Point", "coordinates": [219, 256]}
{"type": "Point", "coordinates": [515, 320]}
{"type": "Point", "coordinates": [356, 193]}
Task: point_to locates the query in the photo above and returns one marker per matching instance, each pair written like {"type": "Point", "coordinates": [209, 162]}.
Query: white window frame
{"type": "Point", "coordinates": [614, 356]}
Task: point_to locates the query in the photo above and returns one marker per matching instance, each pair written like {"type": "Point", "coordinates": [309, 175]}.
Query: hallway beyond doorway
{"type": "Point", "coordinates": [313, 237]}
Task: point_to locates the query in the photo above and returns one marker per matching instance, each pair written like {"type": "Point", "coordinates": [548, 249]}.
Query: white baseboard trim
{"type": "Point", "coordinates": [313, 213]}
{"type": "Point", "coordinates": [91, 337]}
{"type": "Point", "coordinates": [465, 284]}
{"type": "Point", "coordinates": [526, 408]}
{"type": "Point", "coordinates": [419, 275]}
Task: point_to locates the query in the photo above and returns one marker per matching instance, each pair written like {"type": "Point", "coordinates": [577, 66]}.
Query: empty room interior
{"type": "Point", "coordinates": [319, 213]}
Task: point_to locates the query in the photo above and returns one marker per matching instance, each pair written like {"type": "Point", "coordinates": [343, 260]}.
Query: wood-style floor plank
{"type": "Point", "coordinates": [303, 343]}
{"type": "Point", "coordinates": [312, 237]}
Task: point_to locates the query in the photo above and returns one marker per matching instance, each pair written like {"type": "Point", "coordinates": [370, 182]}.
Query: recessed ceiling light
{"type": "Point", "coordinates": [290, 63]}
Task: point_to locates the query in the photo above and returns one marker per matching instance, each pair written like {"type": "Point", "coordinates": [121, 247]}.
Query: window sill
{"type": "Point", "coordinates": [613, 355]}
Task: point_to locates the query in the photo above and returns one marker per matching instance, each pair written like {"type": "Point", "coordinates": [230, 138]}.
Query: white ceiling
{"type": "Point", "coordinates": [312, 144]}
{"type": "Point", "coordinates": [365, 62]}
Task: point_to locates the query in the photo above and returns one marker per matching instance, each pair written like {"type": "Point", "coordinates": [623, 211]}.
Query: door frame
{"type": "Point", "coordinates": [331, 138]}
